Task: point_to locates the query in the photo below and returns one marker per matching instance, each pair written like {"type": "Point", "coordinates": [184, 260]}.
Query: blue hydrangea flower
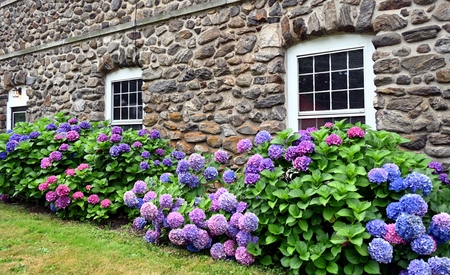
{"type": "Point", "coordinates": [419, 267]}
{"type": "Point", "coordinates": [15, 137]}
{"type": "Point", "coordinates": [436, 166]}
{"type": "Point", "coordinates": [130, 199]}
{"type": "Point", "coordinates": [65, 127]}
{"type": "Point", "coordinates": [266, 164]}
{"type": "Point", "coordinates": [275, 151]}
{"type": "Point", "coordinates": [182, 167]}
{"type": "Point", "coordinates": [11, 145]}
{"type": "Point", "coordinates": [414, 204]}
{"type": "Point", "coordinates": [376, 228]}
{"type": "Point", "coordinates": [229, 176]}
{"type": "Point", "coordinates": [3, 155]}
{"type": "Point", "coordinates": [139, 223]}
{"type": "Point", "coordinates": [165, 201]}
{"type": "Point", "coordinates": [397, 184]}
{"type": "Point", "coordinates": [423, 245]}
{"type": "Point", "coordinates": [381, 251]}
{"type": "Point", "coordinates": [416, 181]}
{"type": "Point", "coordinates": [165, 178]}
{"type": "Point", "coordinates": [393, 171]}
{"type": "Point", "coordinates": [210, 173]}
{"type": "Point", "coordinates": [50, 127]}
{"type": "Point", "coordinates": [248, 222]}
{"type": "Point", "coordinates": [190, 232]}
{"type": "Point", "coordinates": [262, 137]}
{"type": "Point", "coordinates": [85, 125]}
{"type": "Point", "coordinates": [178, 155]}
{"type": "Point", "coordinates": [114, 151]}
{"type": "Point", "coordinates": [194, 182]}
{"type": "Point", "coordinates": [144, 165]}
{"type": "Point", "coordinates": [75, 128]}
{"type": "Point", "coordinates": [140, 203]}
{"type": "Point", "coordinates": [124, 148]}
{"type": "Point", "coordinates": [152, 236]}
{"type": "Point", "coordinates": [191, 248]}
{"type": "Point", "coordinates": [34, 134]}
{"type": "Point", "coordinates": [439, 266]}
{"type": "Point", "coordinates": [251, 178]}
{"type": "Point", "coordinates": [145, 154]}
{"type": "Point", "coordinates": [409, 227]}
{"type": "Point", "coordinates": [243, 238]}
{"type": "Point", "coordinates": [196, 162]}
{"type": "Point", "coordinates": [378, 175]}
{"type": "Point", "coordinates": [184, 178]}
{"type": "Point", "coordinates": [227, 202]}
{"type": "Point", "coordinates": [440, 228]}
{"type": "Point", "coordinates": [167, 162]}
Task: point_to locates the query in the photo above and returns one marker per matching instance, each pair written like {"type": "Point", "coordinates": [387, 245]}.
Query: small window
{"type": "Point", "coordinates": [329, 79]}
{"type": "Point", "coordinates": [18, 114]}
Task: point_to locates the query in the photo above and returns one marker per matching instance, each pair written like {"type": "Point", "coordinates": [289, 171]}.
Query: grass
{"type": "Point", "coordinates": [40, 243]}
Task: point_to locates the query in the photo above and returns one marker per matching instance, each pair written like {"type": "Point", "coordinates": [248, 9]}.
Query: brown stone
{"type": "Point", "coordinates": [174, 135]}
{"type": "Point", "coordinates": [391, 91]}
{"type": "Point", "coordinates": [423, 48]}
{"type": "Point", "coordinates": [422, 33]}
{"type": "Point", "coordinates": [404, 103]}
{"type": "Point", "coordinates": [418, 16]}
{"type": "Point", "coordinates": [389, 22]}
{"type": "Point", "coordinates": [185, 147]}
{"type": "Point", "coordinates": [439, 139]}
{"type": "Point", "coordinates": [424, 91]}
{"type": "Point", "coordinates": [230, 144]}
{"type": "Point", "coordinates": [442, 13]}
{"type": "Point", "coordinates": [192, 137]}
{"type": "Point", "coordinates": [210, 127]}
{"type": "Point", "coordinates": [176, 117]}
{"type": "Point", "coordinates": [214, 141]}
{"type": "Point", "coordinates": [393, 4]}
{"type": "Point", "coordinates": [247, 130]}
{"type": "Point", "coordinates": [208, 36]}
{"type": "Point", "coordinates": [272, 126]}
{"type": "Point", "coordinates": [387, 66]}
{"type": "Point", "coordinates": [364, 22]}
{"type": "Point", "coordinates": [443, 75]}
{"type": "Point", "coordinates": [423, 63]}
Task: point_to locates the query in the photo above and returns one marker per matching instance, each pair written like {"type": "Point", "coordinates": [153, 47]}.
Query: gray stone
{"type": "Point", "coordinates": [270, 101]}
{"type": "Point", "coordinates": [184, 56]}
{"type": "Point", "coordinates": [205, 52]}
{"type": "Point", "coordinates": [417, 144]}
{"type": "Point", "coordinates": [391, 91]}
{"type": "Point", "coordinates": [247, 130]}
{"type": "Point", "coordinates": [404, 103]}
{"type": "Point", "coordinates": [150, 74]}
{"type": "Point", "coordinates": [387, 39]}
{"type": "Point", "coordinates": [418, 16]}
{"type": "Point", "coordinates": [244, 81]}
{"type": "Point", "coordinates": [443, 75]}
{"type": "Point", "coordinates": [222, 16]}
{"type": "Point", "coordinates": [227, 130]}
{"type": "Point", "coordinates": [364, 22]}
{"type": "Point", "coordinates": [387, 66]}
{"type": "Point", "coordinates": [420, 34]}
{"type": "Point", "coordinates": [163, 86]}
{"type": "Point", "coordinates": [394, 121]}
{"type": "Point", "coordinates": [278, 113]}
{"type": "Point", "coordinates": [438, 103]}
{"type": "Point", "coordinates": [270, 36]}
{"type": "Point", "coordinates": [345, 22]}
{"type": "Point", "coordinates": [424, 2]}
{"type": "Point", "coordinates": [268, 54]}
{"type": "Point", "coordinates": [299, 12]}
{"type": "Point", "coordinates": [438, 152]}
{"type": "Point", "coordinates": [424, 91]}
{"type": "Point", "coordinates": [116, 4]}
{"type": "Point", "coordinates": [439, 139]}
{"type": "Point", "coordinates": [272, 126]}
{"type": "Point", "coordinates": [382, 80]}
{"type": "Point", "coordinates": [246, 43]}
{"type": "Point", "coordinates": [442, 13]}
{"type": "Point", "coordinates": [299, 27]}
{"type": "Point", "coordinates": [402, 52]}
{"type": "Point", "coordinates": [208, 36]}
{"type": "Point", "coordinates": [314, 25]}
{"type": "Point", "coordinates": [423, 48]}
{"type": "Point", "coordinates": [403, 80]}
{"type": "Point", "coordinates": [224, 50]}
{"type": "Point", "coordinates": [330, 13]}
{"type": "Point", "coordinates": [276, 65]}
{"type": "Point", "coordinates": [243, 107]}
{"type": "Point", "coordinates": [442, 45]}
{"type": "Point", "coordinates": [252, 93]}
{"type": "Point", "coordinates": [221, 117]}
{"type": "Point", "coordinates": [170, 73]}
{"type": "Point", "coordinates": [394, 4]}
{"type": "Point", "coordinates": [203, 74]}
{"type": "Point", "coordinates": [289, 3]}
{"type": "Point", "coordinates": [423, 63]}
{"type": "Point", "coordinates": [389, 22]}
{"type": "Point", "coordinates": [257, 116]}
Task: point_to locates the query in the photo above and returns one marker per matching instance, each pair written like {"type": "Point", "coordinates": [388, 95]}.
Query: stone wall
{"type": "Point", "coordinates": [214, 71]}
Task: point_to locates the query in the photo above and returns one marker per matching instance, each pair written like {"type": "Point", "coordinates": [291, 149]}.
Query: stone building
{"type": "Point", "coordinates": [210, 72]}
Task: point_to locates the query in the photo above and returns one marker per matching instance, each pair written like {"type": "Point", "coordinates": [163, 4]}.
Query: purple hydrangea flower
{"type": "Point", "coordinates": [444, 178]}
{"type": "Point", "coordinates": [85, 125]}
{"type": "Point", "coordinates": [178, 155]}
{"type": "Point", "coordinates": [62, 202]}
{"type": "Point", "coordinates": [203, 240]}
{"type": "Point", "coordinates": [291, 153]}
{"type": "Point", "coordinates": [152, 236]}
{"type": "Point", "coordinates": [34, 134]}
{"type": "Point", "coordinates": [217, 224]}
{"type": "Point", "coordinates": [328, 125]}
{"type": "Point", "coordinates": [391, 235]}
{"type": "Point", "coordinates": [376, 228]}
{"type": "Point", "coordinates": [149, 211]}
{"type": "Point", "coordinates": [182, 166]}
{"type": "Point", "coordinates": [251, 178]}
{"type": "Point", "coordinates": [217, 251]}
{"type": "Point", "coordinates": [255, 160]}
{"type": "Point", "coordinates": [159, 151]}
{"type": "Point", "coordinates": [228, 247]}
{"type": "Point", "coordinates": [193, 182]}
{"type": "Point", "coordinates": [64, 147]}
{"type": "Point", "coordinates": [11, 145]}
{"type": "Point", "coordinates": [196, 162]}
{"type": "Point", "coordinates": [175, 219]}
{"type": "Point", "coordinates": [262, 137]}
{"type": "Point", "coordinates": [423, 245]}
{"type": "Point", "coordinates": [333, 139]}
{"type": "Point", "coordinates": [355, 131]}
{"type": "Point", "coordinates": [62, 190]}
{"type": "Point", "coordinates": [102, 138]}
{"type": "Point", "coordinates": [266, 164]}
{"type": "Point", "coordinates": [232, 231]}
{"type": "Point", "coordinates": [116, 130]}
{"type": "Point", "coordinates": [72, 136]}
{"type": "Point", "coordinates": [439, 266]}
{"type": "Point", "coordinates": [419, 267]}
{"type": "Point", "coordinates": [197, 216]}
{"type": "Point", "coordinates": [243, 238]}
{"type": "Point", "coordinates": [144, 165]}
{"type": "Point", "coordinates": [416, 181]}
{"type": "Point", "coordinates": [24, 138]}
{"type": "Point", "coordinates": [414, 204]}
{"type": "Point", "coordinates": [114, 151]}
{"type": "Point", "coordinates": [116, 138]}
{"type": "Point", "coordinates": [154, 134]}
{"type": "Point", "coordinates": [305, 147]}
{"type": "Point", "coordinates": [145, 155]}
{"type": "Point", "coordinates": [50, 127]}
{"type": "Point", "coordinates": [229, 176]}
{"type": "Point", "coordinates": [124, 148]}
{"type": "Point", "coordinates": [248, 222]}
{"type": "Point", "coordinates": [139, 187]}
{"type": "Point", "coordinates": [302, 163]}
{"type": "Point", "coordinates": [243, 256]}
{"type": "Point", "coordinates": [244, 145]}
{"type": "Point", "coordinates": [381, 251]}
{"type": "Point", "coordinates": [3, 155]}
{"type": "Point", "coordinates": [55, 156]}
{"type": "Point", "coordinates": [241, 207]}
{"type": "Point", "coordinates": [165, 201]}
{"type": "Point", "coordinates": [393, 210]}
{"type": "Point", "coordinates": [275, 151]}
{"type": "Point", "coordinates": [50, 196]}
{"type": "Point", "coordinates": [150, 195]}
{"type": "Point", "coordinates": [409, 226]}
{"type": "Point", "coordinates": [437, 166]}
{"type": "Point", "coordinates": [210, 173]}
{"type": "Point", "coordinates": [139, 223]}
{"type": "Point", "coordinates": [221, 156]}
{"type": "Point", "coordinates": [176, 236]}
{"type": "Point", "coordinates": [165, 178]}
{"type": "Point", "coordinates": [73, 121]}
{"type": "Point", "coordinates": [136, 144]}
{"type": "Point", "coordinates": [227, 202]}
{"type": "Point", "coordinates": [440, 228]}
{"type": "Point", "coordinates": [179, 202]}
{"type": "Point", "coordinates": [167, 162]}
{"type": "Point", "coordinates": [185, 178]}
{"type": "Point", "coordinates": [75, 128]}
{"type": "Point", "coordinates": [45, 163]}
{"type": "Point", "coordinates": [190, 232]}
{"type": "Point", "coordinates": [377, 175]}
{"type": "Point", "coordinates": [142, 132]}
{"type": "Point", "coordinates": [65, 127]}
{"type": "Point", "coordinates": [130, 199]}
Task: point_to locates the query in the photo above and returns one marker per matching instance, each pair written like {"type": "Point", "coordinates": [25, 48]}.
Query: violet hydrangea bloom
{"type": "Point", "coordinates": [414, 204]}
{"type": "Point", "coordinates": [196, 162]}
{"type": "Point", "coordinates": [178, 155]}
{"type": "Point", "coordinates": [165, 201]}
{"type": "Point", "coordinates": [3, 155]}
{"type": "Point", "coordinates": [355, 132]}
{"type": "Point", "coordinates": [62, 202]}
{"type": "Point", "coordinates": [275, 151]}
{"type": "Point", "coordinates": [391, 235]}
{"type": "Point", "coordinates": [262, 137]}
{"type": "Point", "coordinates": [217, 224]}
{"type": "Point", "coordinates": [376, 228]}
{"type": "Point", "coordinates": [144, 165]}
{"type": "Point", "coordinates": [50, 127]}
{"type": "Point", "coordinates": [45, 163]}
{"type": "Point", "coordinates": [437, 166]}
{"type": "Point", "coordinates": [243, 256]}
{"type": "Point", "coordinates": [142, 132]}
{"type": "Point", "coordinates": [227, 202]}
{"type": "Point", "coordinates": [43, 186]}
{"type": "Point", "coordinates": [229, 176]}
{"type": "Point", "coordinates": [116, 130]}
{"type": "Point", "coordinates": [291, 153]}
{"type": "Point", "coordinates": [377, 175]}
{"type": "Point", "coordinates": [149, 211]}
{"type": "Point", "coordinates": [248, 222]}
{"type": "Point", "coordinates": [305, 147]}
{"type": "Point", "coordinates": [302, 163]}
{"type": "Point", "coordinates": [64, 147]}
{"type": "Point", "coordinates": [190, 232]}
{"type": "Point", "coordinates": [210, 173]}
{"type": "Point", "coordinates": [155, 134]}
{"type": "Point", "coordinates": [266, 164]}
{"type": "Point", "coordinates": [333, 139]}
{"type": "Point", "coordinates": [145, 154]}
{"type": "Point", "coordinates": [328, 125]}
{"type": "Point", "coordinates": [241, 207]}
{"type": "Point", "coordinates": [55, 156]}
{"type": "Point", "coordinates": [165, 178]}
{"type": "Point", "coordinates": [244, 145]}
{"type": "Point", "coordinates": [217, 251]}
{"type": "Point", "coordinates": [62, 190]}
{"type": "Point", "coordinates": [167, 162]}
{"type": "Point", "coordinates": [72, 136]}
{"type": "Point", "coordinates": [150, 195]}
{"type": "Point", "coordinates": [93, 199]}
{"type": "Point", "coordinates": [114, 151]}
{"type": "Point", "coordinates": [419, 267]}
{"type": "Point", "coordinates": [221, 156]}
{"type": "Point", "coordinates": [85, 125]}
{"type": "Point", "coordinates": [65, 127]}
{"type": "Point", "coordinates": [423, 245]}
{"type": "Point", "coordinates": [139, 223]}
{"type": "Point", "coordinates": [130, 199]}
{"type": "Point", "coordinates": [75, 128]}
{"type": "Point", "coordinates": [102, 138]}
{"type": "Point", "coordinates": [439, 265]}
{"type": "Point", "coordinates": [444, 178]}
{"type": "Point", "coordinates": [243, 238]}
{"type": "Point", "coordinates": [228, 247]}
{"type": "Point", "coordinates": [72, 121]}
{"type": "Point", "coordinates": [124, 148]}
{"type": "Point", "coordinates": [197, 216]}
{"type": "Point", "coordinates": [251, 178]}
{"type": "Point", "coordinates": [139, 187]}
{"type": "Point", "coordinates": [175, 219]}
{"type": "Point", "coordinates": [416, 181]}
{"type": "Point", "coordinates": [440, 228]}
{"type": "Point", "coordinates": [381, 251]}
{"type": "Point", "coordinates": [34, 134]}
{"type": "Point", "coordinates": [182, 166]}
{"type": "Point", "coordinates": [203, 240]}
{"type": "Point", "coordinates": [50, 196]}
{"type": "Point", "coordinates": [11, 145]}
{"type": "Point", "coordinates": [409, 226]}
{"type": "Point", "coordinates": [115, 138]}
{"type": "Point", "coordinates": [152, 236]}
{"type": "Point", "coordinates": [176, 236]}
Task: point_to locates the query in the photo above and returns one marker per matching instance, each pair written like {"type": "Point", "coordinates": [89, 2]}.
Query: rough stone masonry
{"type": "Point", "coordinates": [214, 71]}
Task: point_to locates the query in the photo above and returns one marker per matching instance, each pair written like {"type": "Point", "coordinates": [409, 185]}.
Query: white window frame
{"type": "Point", "coordinates": [342, 42]}
{"type": "Point", "coordinates": [14, 102]}
{"type": "Point", "coordinates": [120, 75]}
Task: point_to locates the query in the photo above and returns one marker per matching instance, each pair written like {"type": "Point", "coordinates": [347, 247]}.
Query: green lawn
{"type": "Point", "coordinates": [40, 243]}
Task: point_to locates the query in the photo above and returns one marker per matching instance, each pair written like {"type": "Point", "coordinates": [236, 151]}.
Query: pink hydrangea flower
{"type": "Point", "coordinates": [105, 203]}
{"type": "Point", "coordinates": [83, 166]}
{"type": "Point", "coordinates": [50, 196]}
{"type": "Point", "coordinates": [45, 163]}
{"type": "Point", "coordinates": [333, 139]}
{"type": "Point", "coordinates": [43, 186]}
{"type": "Point", "coordinates": [62, 190]}
{"type": "Point", "coordinates": [355, 131]}
{"type": "Point", "coordinates": [328, 125]}
{"type": "Point", "coordinates": [391, 235]}
{"type": "Point", "coordinates": [93, 199]}
{"type": "Point", "coordinates": [70, 172]}
{"type": "Point", "coordinates": [51, 179]}
{"type": "Point", "coordinates": [58, 137]}
{"type": "Point", "coordinates": [78, 195]}
{"type": "Point", "coordinates": [72, 136]}
{"type": "Point", "coordinates": [88, 187]}
{"type": "Point", "coordinates": [73, 121]}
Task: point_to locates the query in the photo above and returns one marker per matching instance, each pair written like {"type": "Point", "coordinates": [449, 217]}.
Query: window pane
{"type": "Point", "coordinates": [133, 113]}
{"type": "Point", "coordinates": [133, 99]}
{"type": "Point", "coordinates": [305, 65]}
{"type": "Point", "coordinates": [322, 101]}
{"type": "Point", "coordinates": [116, 114]}
{"type": "Point", "coordinates": [322, 82]}
{"type": "Point", "coordinates": [357, 99]}
{"type": "Point", "coordinates": [306, 123]}
{"type": "Point", "coordinates": [19, 117]}
{"type": "Point", "coordinates": [116, 87]}
{"type": "Point", "coordinates": [305, 83]}
{"type": "Point", "coordinates": [139, 113]}
{"type": "Point", "coordinates": [355, 119]}
{"type": "Point", "coordinates": [306, 102]}
{"type": "Point", "coordinates": [339, 80]}
{"type": "Point", "coordinates": [322, 63]}
{"type": "Point", "coordinates": [356, 78]}
{"type": "Point", "coordinates": [124, 99]}
{"type": "Point", "coordinates": [125, 87]}
{"type": "Point", "coordinates": [339, 100]}
{"type": "Point", "coordinates": [133, 85]}
{"type": "Point", "coordinates": [116, 101]}
{"type": "Point", "coordinates": [125, 113]}
{"type": "Point", "coordinates": [355, 59]}
{"type": "Point", "coordinates": [339, 61]}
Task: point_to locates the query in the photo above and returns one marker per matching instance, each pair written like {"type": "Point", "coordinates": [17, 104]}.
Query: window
{"type": "Point", "coordinates": [124, 98]}
{"type": "Point", "coordinates": [18, 114]}
{"type": "Point", "coordinates": [330, 79]}
{"type": "Point", "coordinates": [16, 106]}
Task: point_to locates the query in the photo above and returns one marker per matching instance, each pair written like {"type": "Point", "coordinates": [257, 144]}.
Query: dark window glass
{"type": "Point", "coordinates": [305, 65]}
{"type": "Point", "coordinates": [133, 86]}
{"type": "Point", "coordinates": [305, 83]}
{"type": "Point", "coordinates": [356, 99]}
{"type": "Point", "coordinates": [306, 102]}
{"type": "Point", "coordinates": [124, 87]}
{"type": "Point", "coordinates": [339, 61]}
{"type": "Point", "coordinates": [116, 114]}
{"type": "Point", "coordinates": [116, 87]}
{"type": "Point", "coordinates": [306, 123]}
{"type": "Point", "coordinates": [322, 82]}
{"type": "Point", "coordinates": [355, 59]}
{"type": "Point", "coordinates": [322, 101]}
{"type": "Point", "coordinates": [133, 99]}
{"type": "Point", "coordinates": [124, 99]}
{"type": "Point", "coordinates": [356, 78]}
{"type": "Point", "coordinates": [116, 101]}
{"type": "Point", "coordinates": [322, 63]}
{"type": "Point", "coordinates": [339, 80]}
{"type": "Point", "coordinates": [18, 114]}
{"type": "Point", "coordinates": [339, 100]}
{"type": "Point", "coordinates": [133, 113]}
